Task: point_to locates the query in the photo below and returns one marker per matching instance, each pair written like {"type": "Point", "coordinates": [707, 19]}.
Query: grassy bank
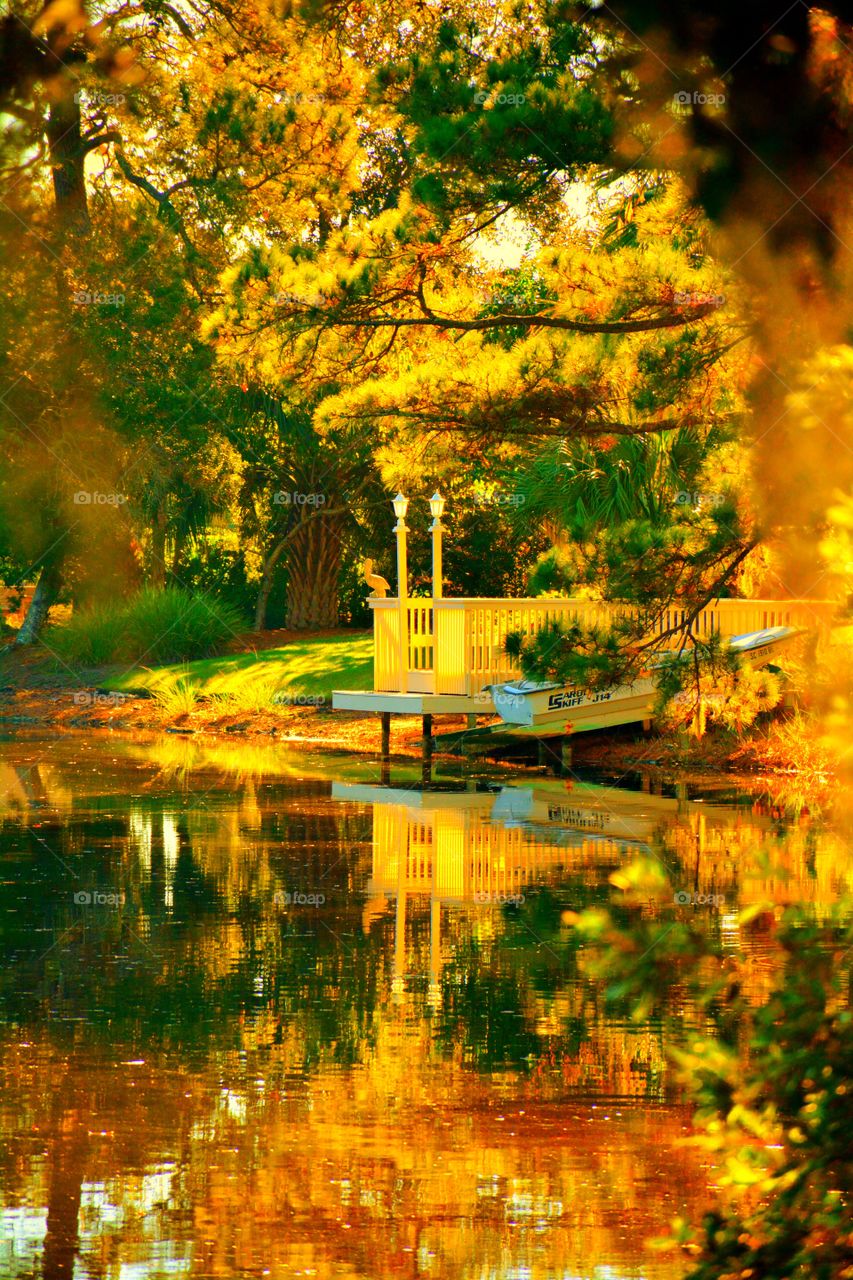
{"type": "Point", "coordinates": [306, 669]}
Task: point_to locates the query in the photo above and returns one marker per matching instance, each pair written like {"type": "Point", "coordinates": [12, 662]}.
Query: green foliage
{"type": "Point", "coordinates": [523, 293]}
{"type": "Point", "coordinates": [353, 608]}
{"type": "Point", "coordinates": [776, 1109]}
{"type": "Point", "coordinates": [585, 487]}
{"type": "Point", "coordinates": [485, 550]}
{"type": "Point", "coordinates": [217, 570]}
{"type": "Point", "coordinates": [636, 523]}
{"type": "Point", "coordinates": [593, 657]}
{"type": "Point", "coordinates": [282, 452]}
{"type": "Point", "coordinates": [556, 572]}
{"type": "Point", "coordinates": [171, 625]}
{"type": "Point", "coordinates": [490, 128]}
{"type": "Point", "coordinates": [257, 697]}
{"type": "Point", "coordinates": [781, 1122]}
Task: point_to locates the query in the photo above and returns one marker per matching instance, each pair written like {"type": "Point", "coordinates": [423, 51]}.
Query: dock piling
{"type": "Point", "coordinates": [549, 756]}
{"type": "Point", "coordinates": [426, 769]}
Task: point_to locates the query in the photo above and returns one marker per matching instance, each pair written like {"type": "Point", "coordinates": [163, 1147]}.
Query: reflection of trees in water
{"type": "Point", "coordinates": [195, 944]}
{"type": "Point", "coordinates": [67, 1145]}
{"type": "Point", "coordinates": [246, 1165]}
{"type": "Point", "coordinates": [518, 999]}
{"type": "Point", "coordinates": [87, 1128]}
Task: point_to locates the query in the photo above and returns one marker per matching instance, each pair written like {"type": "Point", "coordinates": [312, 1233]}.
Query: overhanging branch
{"type": "Point", "coordinates": [429, 319]}
{"type": "Point", "coordinates": [166, 212]}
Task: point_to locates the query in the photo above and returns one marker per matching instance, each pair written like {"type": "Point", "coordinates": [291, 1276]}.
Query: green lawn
{"type": "Point", "coordinates": [312, 667]}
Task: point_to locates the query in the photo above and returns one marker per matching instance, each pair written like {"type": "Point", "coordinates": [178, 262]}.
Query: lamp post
{"type": "Point", "coordinates": [436, 506]}
{"type": "Point", "coordinates": [401, 506]}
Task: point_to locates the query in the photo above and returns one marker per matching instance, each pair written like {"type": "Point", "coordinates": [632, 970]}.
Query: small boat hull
{"type": "Point", "coordinates": [554, 706]}
{"type": "Point", "coordinates": [564, 709]}
{"type": "Point", "coordinates": [758, 647]}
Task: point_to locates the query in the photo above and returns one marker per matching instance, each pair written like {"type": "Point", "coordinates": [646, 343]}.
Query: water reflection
{"type": "Point", "coordinates": [260, 1016]}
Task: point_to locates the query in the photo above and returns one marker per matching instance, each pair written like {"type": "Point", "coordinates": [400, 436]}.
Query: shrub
{"type": "Point", "coordinates": [772, 1081]}
{"type": "Point", "coordinates": [177, 699]}
{"type": "Point", "coordinates": [220, 571]}
{"type": "Point", "coordinates": [154, 626]}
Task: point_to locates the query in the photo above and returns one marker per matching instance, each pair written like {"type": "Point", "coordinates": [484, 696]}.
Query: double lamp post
{"type": "Point", "coordinates": [401, 506]}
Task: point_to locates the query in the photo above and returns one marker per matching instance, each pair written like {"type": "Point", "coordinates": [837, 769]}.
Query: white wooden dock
{"type": "Point", "coordinates": [438, 656]}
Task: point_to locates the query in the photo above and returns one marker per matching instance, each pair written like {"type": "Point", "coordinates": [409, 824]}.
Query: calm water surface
{"type": "Point", "coordinates": [263, 1016]}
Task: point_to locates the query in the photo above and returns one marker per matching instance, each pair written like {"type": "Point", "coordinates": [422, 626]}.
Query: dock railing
{"type": "Point", "coordinates": [456, 645]}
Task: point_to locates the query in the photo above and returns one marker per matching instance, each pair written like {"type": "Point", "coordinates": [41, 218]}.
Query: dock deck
{"type": "Point", "coordinates": [412, 704]}
{"type": "Point", "coordinates": [438, 656]}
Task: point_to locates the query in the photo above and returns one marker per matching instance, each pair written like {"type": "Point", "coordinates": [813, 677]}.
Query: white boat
{"type": "Point", "coordinates": [565, 709]}
{"type": "Point", "coordinates": [568, 709]}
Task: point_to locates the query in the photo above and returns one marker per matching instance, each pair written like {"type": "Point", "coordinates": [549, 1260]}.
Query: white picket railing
{"type": "Point", "coordinates": [456, 645]}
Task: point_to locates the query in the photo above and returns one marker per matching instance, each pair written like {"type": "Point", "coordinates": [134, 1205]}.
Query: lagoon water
{"type": "Point", "coordinates": [271, 1014]}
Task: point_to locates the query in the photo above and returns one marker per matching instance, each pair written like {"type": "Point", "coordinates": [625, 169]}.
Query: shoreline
{"type": "Point", "coordinates": [49, 704]}
{"type": "Point", "coordinates": [779, 755]}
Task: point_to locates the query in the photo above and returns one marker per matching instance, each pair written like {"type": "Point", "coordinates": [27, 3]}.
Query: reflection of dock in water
{"type": "Point", "coordinates": [473, 846]}
{"type": "Point", "coordinates": [464, 846]}
{"type": "Point", "coordinates": [482, 849]}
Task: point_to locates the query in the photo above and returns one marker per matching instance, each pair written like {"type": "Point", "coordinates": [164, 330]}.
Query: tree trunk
{"type": "Point", "coordinates": [157, 564]}
{"type": "Point", "coordinates": [180, 546]}
{"type": "Point", "coordinates": [266, 584]}
{"type": "Point", "coordinates": [68, 165]}
{"type": "Point", "coordinates": [313, 570]}
{"type": "Point", "coordinates": [45, 594]}
{"type": "Point", "coordinates": [68, 161]}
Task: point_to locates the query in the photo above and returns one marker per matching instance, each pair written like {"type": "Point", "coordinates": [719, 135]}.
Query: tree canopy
{"type": "Point", "coordinates": [321, 251]}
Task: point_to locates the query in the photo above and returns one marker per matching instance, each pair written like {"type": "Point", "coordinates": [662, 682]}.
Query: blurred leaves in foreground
{"type": "Point", "coordinates": [772, 1081]}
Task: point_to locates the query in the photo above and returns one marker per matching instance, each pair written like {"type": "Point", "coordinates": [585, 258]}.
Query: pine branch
{"type": "Point", "coordinates": [430, 319]}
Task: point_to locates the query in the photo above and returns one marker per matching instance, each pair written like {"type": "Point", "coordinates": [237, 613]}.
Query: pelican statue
{"type": "Point", "coordinates": [379, 585]}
